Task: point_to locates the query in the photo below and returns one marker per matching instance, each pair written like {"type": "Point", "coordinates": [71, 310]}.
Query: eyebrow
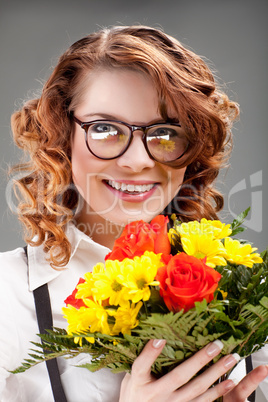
{"type": "Point", "coordinates": [110, 117]}
{"type": "Point", "coordinates": [102, 115]}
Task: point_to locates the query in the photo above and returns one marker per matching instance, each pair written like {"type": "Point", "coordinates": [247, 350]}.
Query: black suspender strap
{"type": "Point", "coordinates": [249, 367]}
{"type": "Point", "coordinates": [44, 318]}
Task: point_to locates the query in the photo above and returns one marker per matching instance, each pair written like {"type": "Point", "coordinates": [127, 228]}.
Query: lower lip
{"type": "Point", "coordinates": [131, 197]}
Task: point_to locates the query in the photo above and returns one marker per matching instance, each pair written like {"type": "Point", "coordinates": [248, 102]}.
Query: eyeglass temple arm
{"type": "Point", "coordinates": [77, 120]}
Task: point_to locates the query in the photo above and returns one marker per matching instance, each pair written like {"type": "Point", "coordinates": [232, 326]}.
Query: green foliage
{"type": "Point", "coordinates": [240, 321]}
{"type": "Point", "coordinates": [236, 224]}
{"type": "Point", "coordinates": [184, 333]}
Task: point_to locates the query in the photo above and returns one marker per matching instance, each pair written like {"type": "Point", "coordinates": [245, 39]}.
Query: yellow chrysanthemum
{"type": "Point", "coordinates": [108, 284]}
{"type": "Point", "coordinates": [243, 254]}
{"type": "Point", "coordinates": [205, 245]}
{"type": "Point", "coordinates": [141, 273]}
{"type": "Point", "coordinates": [126, 318]}
{"type": "Point", "coordinates": [220, 230]}
{"type": "Point", "coordinates": [76, 321]}
{"type": "Point", "coordinates": [93, 318]}
{"type": "Point", "coordinates": [98, 317]}
{"type": "Point", "coordinates": [84, 290]}
{"type": "Point", "coordinates": [215, 228]}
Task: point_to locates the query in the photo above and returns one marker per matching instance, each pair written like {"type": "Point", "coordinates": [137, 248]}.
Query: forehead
{"type": "Point", "coordinates": [119, 93]}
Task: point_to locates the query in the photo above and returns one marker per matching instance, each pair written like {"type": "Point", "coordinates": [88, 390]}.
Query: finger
{"type": "Point", "coordinates": [247, 385]}
{"type": "Point", "coordinates": [200, 384]}
{"type": "Point", "coordinates": [215, 392]}
{"type": "Point", "coordinates": [141, 367]}
{"type": "Point", "coordinates": [186, 370]}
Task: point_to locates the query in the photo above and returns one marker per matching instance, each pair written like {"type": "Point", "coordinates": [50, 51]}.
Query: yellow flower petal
{"type": "Point", "coordinates": [126, 318]}
{"type": "Point", "coordinates": [93, 318]}
{"type": "Point", "coordinates": [216, 228]}
{"type": "Point", "coordinates": [141, 274]}
{"type": "Point", "coordinates": [241, 254]}
{"type": "Point", "coordinates": [205, 246]}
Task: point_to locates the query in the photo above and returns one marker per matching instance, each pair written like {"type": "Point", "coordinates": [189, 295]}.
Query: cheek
{"type": "Point", "coordinates": [85, 166]}
{"type": "Point", "coordinates": [88, 173]}
{"type": "Point", "coordinates": [176, 177]}
{"type": "Point", "coordinates": [79, 151]}
{"type": "Point", "coordinates": [79, 159]}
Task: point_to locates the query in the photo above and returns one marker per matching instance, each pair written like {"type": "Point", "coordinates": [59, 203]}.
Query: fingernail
{"type": "Point", "coordinates": [231, 360]}
{"type": "Point", "coordinates": [214, 348]}
{"type": "Point", "coordinates": [157, 343]}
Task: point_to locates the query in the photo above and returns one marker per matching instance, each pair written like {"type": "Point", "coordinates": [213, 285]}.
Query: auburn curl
{"type": "Point", "coordinates": [47, 198]}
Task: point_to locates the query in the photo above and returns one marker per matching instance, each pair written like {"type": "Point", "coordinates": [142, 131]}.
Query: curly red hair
{"type": "Point", "coordinates": [43, 127]}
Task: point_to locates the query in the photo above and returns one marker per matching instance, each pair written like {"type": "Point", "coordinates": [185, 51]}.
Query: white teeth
{"type": "Point", "coordinates": [140, 188]}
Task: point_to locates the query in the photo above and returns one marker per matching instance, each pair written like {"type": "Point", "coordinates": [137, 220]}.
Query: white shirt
{"type": "Point", "coordinates": [18, 326]}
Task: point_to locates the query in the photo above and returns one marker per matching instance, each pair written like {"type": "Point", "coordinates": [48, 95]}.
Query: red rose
{"type": "Point", "coordinates": [185, 280]}
{"type": "Point", "coordinates": [139, 236]}
{"type": "Point", "coordinates": [77, 303]}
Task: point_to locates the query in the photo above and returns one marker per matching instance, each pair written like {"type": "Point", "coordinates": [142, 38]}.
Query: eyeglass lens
{"type": "Point", "coordinates": [165, 143]}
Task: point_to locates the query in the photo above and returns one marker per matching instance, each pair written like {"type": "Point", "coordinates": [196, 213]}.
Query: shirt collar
{"type": "Point", "coordinates": [39, 269]}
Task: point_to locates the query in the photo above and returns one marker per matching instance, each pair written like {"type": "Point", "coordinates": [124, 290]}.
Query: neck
{"type": "Point", "coordinates": [100, 230]}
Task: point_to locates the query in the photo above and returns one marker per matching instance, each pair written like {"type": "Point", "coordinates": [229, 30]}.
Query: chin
{"type": "Point", "coordinates": [122, 219]}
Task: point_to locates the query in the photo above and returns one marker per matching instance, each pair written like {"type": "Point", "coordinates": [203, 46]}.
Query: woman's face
{"type": "Point", "coordinates": [108, 187]}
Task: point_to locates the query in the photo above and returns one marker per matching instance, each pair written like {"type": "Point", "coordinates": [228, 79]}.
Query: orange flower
{"type": "Point", "coordinates": [71, 300]}
{"type": "Point", "coordinates": [139, 237]}
{"type": "Point", "coordinates": [185, 280]}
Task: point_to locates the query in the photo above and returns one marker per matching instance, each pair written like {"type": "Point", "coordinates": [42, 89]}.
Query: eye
{"type": "Point", "coordinates": [163, 132]}
{"type": "Point", "coordinates": [108, 132]}
{"type": "Point", "coordinates": [166, 142]}
{"type": "Point", "coordinates": [104, 129]}
{"type": "Point", "coordinates": [107, 139]}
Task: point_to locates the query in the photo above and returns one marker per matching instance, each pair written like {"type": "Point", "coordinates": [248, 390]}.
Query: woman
{"type": "Point", "coordinates": [129, 124]}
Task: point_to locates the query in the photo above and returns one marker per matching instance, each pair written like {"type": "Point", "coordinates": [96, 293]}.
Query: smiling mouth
{"type": "Point", "coordinates": [131, 188]}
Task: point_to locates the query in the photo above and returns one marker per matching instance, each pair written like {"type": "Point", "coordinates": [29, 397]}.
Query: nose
{"type": "Point", "coordinates": [136, 157]}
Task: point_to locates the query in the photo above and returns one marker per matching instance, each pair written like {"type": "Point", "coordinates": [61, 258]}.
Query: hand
{"type": "Point", "coordinates": [141, 386]}
{"type": "Point", "coordinates": [247, 385]}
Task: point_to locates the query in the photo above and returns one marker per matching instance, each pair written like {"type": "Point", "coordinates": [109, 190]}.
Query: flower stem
{"type": "Point", "coordinates": [146, 310]}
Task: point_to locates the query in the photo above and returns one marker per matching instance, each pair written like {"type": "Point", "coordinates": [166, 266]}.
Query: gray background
{"type": "Point", "coordinates": [230, 34]}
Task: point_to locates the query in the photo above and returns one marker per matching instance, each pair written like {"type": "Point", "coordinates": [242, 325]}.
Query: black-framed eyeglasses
{"type": "Point", "coordinates": [109, 139]}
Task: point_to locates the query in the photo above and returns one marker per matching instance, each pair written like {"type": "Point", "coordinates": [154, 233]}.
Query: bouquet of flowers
{"type": "Point", "coordinates": [189, 285]}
